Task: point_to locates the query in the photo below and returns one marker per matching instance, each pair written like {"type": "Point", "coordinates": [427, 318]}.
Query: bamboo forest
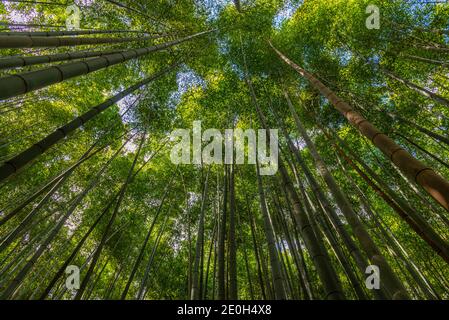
{"type": "Point", "coordinates": [224, 150]}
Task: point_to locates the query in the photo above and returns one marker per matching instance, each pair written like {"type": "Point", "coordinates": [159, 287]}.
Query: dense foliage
{"type": "Point", "coordinates": [107, 198]}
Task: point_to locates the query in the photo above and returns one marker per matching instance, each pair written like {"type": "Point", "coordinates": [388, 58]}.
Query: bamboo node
{"type": "Point", "coordinates": [421, 171]}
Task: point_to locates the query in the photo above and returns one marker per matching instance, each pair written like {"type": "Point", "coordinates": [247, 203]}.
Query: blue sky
{"type": "Point", "coordinates": [213, 7]}
{"type": "Point", "coordinates": [185, 79]}
{"type": "Point", "coordinates": [286, 12]}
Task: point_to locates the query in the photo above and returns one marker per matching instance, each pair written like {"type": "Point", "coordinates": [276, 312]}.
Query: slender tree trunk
{"type": "Point", "coordinates": [64, 33]}
{"type": "Point", "coordinates": [433, 48]}
{"type": "Point", "coordinates": [98, 250]}
{"type": "Point", "coordinates": [33, 41]}
{"type": "Point", "coordinates": [423, 150]}
{"type": "Point", "coordinates": [14, 284]}
{"type": "Point", "coordinates": [319, 256]}
{"type": "Point", "coordinates": [43, 26]}
{"type": "Point", "coordinates": [189, 236]}
{"type": "Point", "coordinates": [390, 282]}
{"type": "Point", "coordinates": [303, 279]}
{"type": "Point", "coordinates": [426, 60]}
{"type": "Point", "coordinates": [278, 281]}
{"type": "Point", "coordinates": [54, 184]}
{"type": "Point", "coordinates": [18, 84]}
{"type": "Point", "coordinates": [391, 240]}
{"type": "Point", "coordinates": [209, 256]}
{"type": "Point", "coordinates": [75, 251]}
{"type": "Point", "coordinates": [12, 166]}
{"type": "Point", "coordinates": [233, 291]}
{"type": "Point", "coordinates": [45, 3]}
{"type": "Point", "coordinates": [294, 291]}
{"type": "Point", "coordinates": [57, 184]}
{"type": "Point", "coordinates": [128, 8]}
{"type": "Point", "coordinates": [422, 91]}
{"type": "Point", "coordinates": [97, 278]}
{"type": "Point", "coordinates": [429, 133]}
{"type": "Point", "coordinates": [110, 291]}
{"type": "Point", "coordinates": [222, 241]}
{"type": "Point", "coordinates": [434, 184]}
{"type": "Point", "coordinates": [214, 279]}
{"type": "Point", "coordinates": [416, 222]}
{"type": "Point", "coordinates": [256, 248]}
{"type": "Point", "coordinates": [145, 242]}
{"type": "Point", "coordinates": [195, 294]}
{"type": "Point", "coordinates": [13, 62]}
{"type": "Point", "coordinates": [321, 260]}
{"type": "Point", "coordinates": [317, 215]}
{"type": "Point", "coordinates": [143, 284]}
{"type": "Point", "coordinates": [245, 256]}
{"type": "Point", "coordinates": [327, 208]}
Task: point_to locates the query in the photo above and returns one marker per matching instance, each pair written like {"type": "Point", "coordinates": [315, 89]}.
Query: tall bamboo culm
{"type": "Point", "coordinates": [434, 184]}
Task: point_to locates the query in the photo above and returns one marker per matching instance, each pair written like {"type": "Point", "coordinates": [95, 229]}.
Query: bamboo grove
{"type": "Point", "coordinates": [86, 178]}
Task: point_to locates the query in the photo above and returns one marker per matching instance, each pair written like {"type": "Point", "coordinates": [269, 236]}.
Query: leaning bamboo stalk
{"type": "Point", "coordinates": [327, 208]}
{"type": "Point", "coordinates": [245, 257]}
{"type": "Point", "coordinates": [426, 60]}
{"type": "Point", "coordinates": [319, 255]}
{"type": "Point", "coordinates": [54, 230]}
{"type": "Point", "coordinates": [45, 3]}
{"type": "Point", "coordinates": [409, 84]}
{"type": "Point", "coordinates": [143, 290]}
{"type": "Point", "coordinates": [434, 184]}
{"type": "Point", "coordinates": [233, 289]}
{"type": "Point", "coordinates": [17, 84]}
{"type": "Point", "coordinates": [111, 289]}
{"type": "Point", "coordinates": [221, 281]}
{"type": "Point", "coordinates": [145, 242]}
{"type": "Point", "coordinates": [396, 248]}
{"type": "Point", "coordinates": [57, 183]}
{"type": "Point", "coordinates": [329, 219]}
{"type": "Point", "coordinates": [31, 25]}
{"type": "Point", "coordinates": [13, 165]}
{"type": "Point", "coordinates": [65, 33]}
{"type": "Point", "coordinates": [75, 251]}
{"type": "Point", "coordinates": [417, 223]}
{"type": "Point", "coordinates": [195, 292]}
{"type": "Point", "coordinates": [30, 41]}
{"type": "Point", "coordinates": [55, 180]}
{"type": "Point", "coordinates": [59, 295]}
{"type": "Point", "coordinates": [29, 217]}
{"type": "Point", "coordinates": [99, 249]}
{"type": "Point", "coordinates": [62, 269]}
{"type": "Point", "coordinates": [427, 132]}
{"type": "Point", "coordinates": [422, 91]}
{"type": "Point", "coordinates": [391, 284]}
{"type": "Point", "coordinates": [326, 272]}
{"type": "Point", "coordinates": [422, 149]}
{"type": "Point", "coordinates": [303, 281]}
{"type": "Point", "coordinates": [12, 62]}
{"type": "Point", "coordinates": [278, 280]}
{"type": "Point", "coordinates": [255, 246]}
{"type": "Point", "coordinates": [432, 48]}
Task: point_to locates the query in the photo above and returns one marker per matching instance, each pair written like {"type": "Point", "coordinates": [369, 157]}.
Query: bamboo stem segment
{"type": "Point", "coordinates": [11, 86]}
{"type": "Point", "coordinates": [12, 166]}
{"type": "Point", "coordinates": [434, 184]}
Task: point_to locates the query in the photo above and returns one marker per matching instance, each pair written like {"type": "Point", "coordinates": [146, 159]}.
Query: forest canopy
{"type": "Point", "coordinates": [349, 97]}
